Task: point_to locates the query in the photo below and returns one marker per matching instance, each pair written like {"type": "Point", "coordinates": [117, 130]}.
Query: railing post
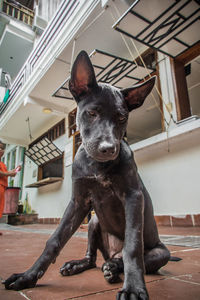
{"type": "Point", "coordinates": [7, 9]}
{"type": "Point", "coordinates": [13, 12]}
{"type": "Point", "coordinates": [18, 15]}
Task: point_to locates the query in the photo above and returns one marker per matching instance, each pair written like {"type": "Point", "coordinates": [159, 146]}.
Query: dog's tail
{"type": "Point", "coordinates": [175, 258]}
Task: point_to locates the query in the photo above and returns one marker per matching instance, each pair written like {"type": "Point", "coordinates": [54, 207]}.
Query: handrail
{"type": "Point", "coordinates": [20, 12]}
{"type": "Point", "coordinates": [61, 17]}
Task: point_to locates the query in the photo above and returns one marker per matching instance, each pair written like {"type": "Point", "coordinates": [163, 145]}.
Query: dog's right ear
{"type": "Point", "coordinates": [82, 76]}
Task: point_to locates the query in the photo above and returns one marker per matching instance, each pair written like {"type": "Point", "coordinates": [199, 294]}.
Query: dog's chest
{"type": "Point", "coordinates": [107, 197]}
{"type": "Point", "coordinates": [108, 186]}
{"type": "Point", "coordinates": [103, 180]}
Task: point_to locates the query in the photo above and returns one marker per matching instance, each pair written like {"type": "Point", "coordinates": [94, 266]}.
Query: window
{"type": "Point", "coordinates": [13, 159]}
{"type": "Point", "coordinates": [73, 131]}
{"type": "Point", "coordinates": [72, 122]}
{"type": "Point", "coordinates": [53, 169]}
{"type": "Point", "coordinates": [8, 161]}
{"type": "Point", "coordinates": [192, 72]}
{"type": "Point", "coordinates": [47, 156]}
{"type": "Point", "coordinates": [76, 142]}
{"type": "Point", "coordinates": [186, 80]}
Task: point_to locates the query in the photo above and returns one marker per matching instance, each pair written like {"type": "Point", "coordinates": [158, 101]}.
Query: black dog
{"type": "Point", "coordinates": [105, 178]}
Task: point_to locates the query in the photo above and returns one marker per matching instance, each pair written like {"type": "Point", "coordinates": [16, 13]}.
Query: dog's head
{"type": "Point", "coordinates": [103, 109]}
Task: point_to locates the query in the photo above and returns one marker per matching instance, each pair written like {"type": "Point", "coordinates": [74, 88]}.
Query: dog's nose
{"type": "Point", "coordinates": [107, 148]}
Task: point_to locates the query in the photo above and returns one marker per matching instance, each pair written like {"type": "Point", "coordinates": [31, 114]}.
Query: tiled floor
{"type": "Point", "coordinates": [21, 245]}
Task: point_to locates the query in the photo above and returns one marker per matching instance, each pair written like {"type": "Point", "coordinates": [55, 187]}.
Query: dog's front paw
{"type": "Point", "coordinates": [111, 271]}
{"type": "Point", "coordinates": [139, 295]}
{"type": "Point", "coordinates": [21, 281]}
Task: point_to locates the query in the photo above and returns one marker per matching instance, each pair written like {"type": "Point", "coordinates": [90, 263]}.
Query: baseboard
{"type": "Point", "coordinates": [22, 219]}
{"type": "Point", "coordinates": [164, 220]}
{"type": "Point", "coordinates": [4, 219]}
{"type": "Point", "coordinates": [49, 220]}
{"type": "Point", "coordinates": [178, 220]}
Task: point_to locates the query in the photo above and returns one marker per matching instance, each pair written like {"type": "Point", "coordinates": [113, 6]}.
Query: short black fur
{"type": "Point", "coordinates": [105, 178]}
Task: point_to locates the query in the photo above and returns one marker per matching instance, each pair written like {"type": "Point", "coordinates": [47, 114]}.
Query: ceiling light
{"type": "Point", "coordinates": [47, 110]}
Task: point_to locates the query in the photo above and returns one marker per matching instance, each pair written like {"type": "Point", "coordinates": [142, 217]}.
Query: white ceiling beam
{"type": "Point", "coordinates": [57, 109]}
{"type": "Point", "coordinates": [14, 141]}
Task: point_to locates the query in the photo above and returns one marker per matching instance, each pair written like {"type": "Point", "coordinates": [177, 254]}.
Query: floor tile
{"type": "Point", "coordinates": [173, 289]}
{"type": "Point", "coordinates": [20, 246]}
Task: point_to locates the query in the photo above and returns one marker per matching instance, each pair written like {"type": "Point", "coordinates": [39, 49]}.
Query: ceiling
{"type": "Point", "coordinates": [17, 132]}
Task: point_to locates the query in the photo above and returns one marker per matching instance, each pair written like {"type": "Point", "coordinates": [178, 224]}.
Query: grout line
{"type": "Point", "coordinates": [193, 220]}
{"type": "Point", "coordinates": [185, 250]}
{"type": "Point", "coordinates": [186, 281]}
{"type": "Point", "coordinates": [23, 295]}
{"type": "Point", "coordinates": [171, 223]}
{"type": "Point", "coordinates": [95, 293]}
{"type": "Point", "coordinates": [178, 278]}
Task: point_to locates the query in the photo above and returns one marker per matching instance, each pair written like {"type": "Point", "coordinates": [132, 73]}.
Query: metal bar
{"type": "Point", "coordinates": [193, 21]}
{"type": "Point", "coordinates": [179, 26]}
{"type": "Point", "coordinates": [135, 38]}
{"type": "Point", "coordinates": [159, 17]}
{"type": "Point", "coordinates": [140, 17]}
{"type": "Point", "coordinates": [126, 12]}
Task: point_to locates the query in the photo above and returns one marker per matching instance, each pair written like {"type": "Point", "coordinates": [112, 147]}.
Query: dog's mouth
{"type": "Point", "coordinates": [105, 159]}
{"type": "Point", "coordinates": [103, 152]}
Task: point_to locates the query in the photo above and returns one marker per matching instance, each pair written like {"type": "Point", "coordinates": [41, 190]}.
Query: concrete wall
{"type": "Point", "coordinates": [47, 8]}
{"type": "Point", "coordinates": [169, 164]}
{"type": "Point", "coordinates": [170, 170]}
{"type": "Point", "coordinates": [172, 177]}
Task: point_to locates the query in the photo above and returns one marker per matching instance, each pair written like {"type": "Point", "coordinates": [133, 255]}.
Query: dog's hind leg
{"type": "Point", "coordinates": [89, 261]}
{"type": "Point", "coordinates": [112, 269]}
{"type": "Point", "coordinates": [156, 258]}
{"type": "Point", "coordinates": [114, 265]}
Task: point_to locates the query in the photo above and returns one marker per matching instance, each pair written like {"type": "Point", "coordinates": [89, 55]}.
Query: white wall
{"type": "Point", "coordinates": [172, 178]}
{"type": "Point", "coordinates": [47, 8]}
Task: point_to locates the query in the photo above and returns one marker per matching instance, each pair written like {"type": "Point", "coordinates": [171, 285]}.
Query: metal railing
{"type": "Point", "coordinates": [18, 11]}
{"type": "Point", "coordinates": [62, 16]}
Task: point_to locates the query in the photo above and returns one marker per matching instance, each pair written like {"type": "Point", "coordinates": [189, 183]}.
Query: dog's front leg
{"type": "Point", "coordinates": [133, 250]}
{"type": "Point", "coordinates": [73, 216]}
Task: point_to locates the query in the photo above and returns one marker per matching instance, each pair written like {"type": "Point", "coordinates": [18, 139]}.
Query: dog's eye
{"type": "Point", "coordinates": [122, 118]}
{"type": "Point", "coordinates": [92, 113]}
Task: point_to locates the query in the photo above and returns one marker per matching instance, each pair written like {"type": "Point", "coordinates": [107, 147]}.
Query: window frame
{"type": "Point", "coordinates": [53, 133]}
{"type": "Point", "coordinates": [182, 101]}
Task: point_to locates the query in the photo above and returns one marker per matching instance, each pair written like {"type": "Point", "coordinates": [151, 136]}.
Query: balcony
{"type": "Point", "coordinates": [17, 11]}
{"type": "Point", "coordinates": [42, 62]}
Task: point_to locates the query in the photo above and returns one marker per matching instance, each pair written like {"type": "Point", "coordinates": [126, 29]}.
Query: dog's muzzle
{"type": "Point", "coordinates": [107, 151]}
{"type": "Point", "coordinates": [103, 151]}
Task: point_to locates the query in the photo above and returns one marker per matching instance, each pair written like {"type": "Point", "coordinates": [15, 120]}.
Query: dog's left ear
{"type": "Point", "coordinates": [135, 96]}
{"type": "Point", "coordinates": [82, 76]}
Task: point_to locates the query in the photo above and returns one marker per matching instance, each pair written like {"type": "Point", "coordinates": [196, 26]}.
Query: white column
{"type": "Point", "coordinates": [167, 89]}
